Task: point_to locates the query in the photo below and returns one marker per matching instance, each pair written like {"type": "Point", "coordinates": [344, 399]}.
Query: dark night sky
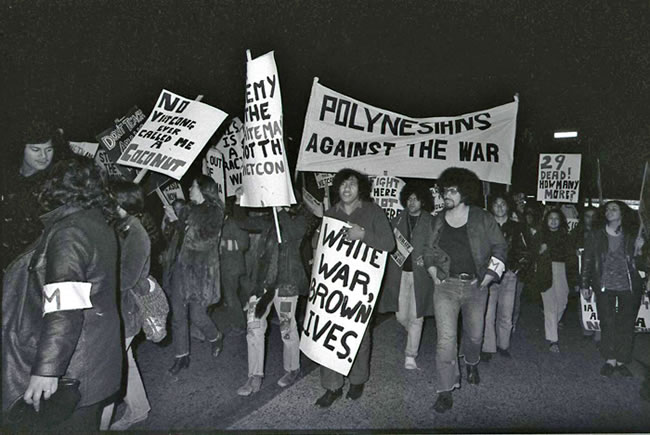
{"type": "Point", "coordinates": [580, 64]}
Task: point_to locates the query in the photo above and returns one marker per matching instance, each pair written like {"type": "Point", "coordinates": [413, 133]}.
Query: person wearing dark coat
{"type": "Point", "coordinates": [60, 317]}
{"type": "Point", "coordinates": [408, 288]}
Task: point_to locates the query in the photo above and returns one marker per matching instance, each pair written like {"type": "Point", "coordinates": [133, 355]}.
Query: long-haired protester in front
{"type": "Point", "coordinates": [556, 272]}
{"type": "Point", "coordinates": [609, 271]}
{"type": "Point", "coordinates": [61, 323]}
{"type": "Point", "coordinates": [196, 278]}
{"type": "Point", "coordinates": [368, 223]}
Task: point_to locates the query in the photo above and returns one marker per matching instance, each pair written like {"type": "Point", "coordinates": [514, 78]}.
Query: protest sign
{"type": "Point", "coordinates": [108, 166]}
{"type": "Point", "coordinates": [115, 139]}
{"type": "Point", "coordinates": [591, 322]}
{"type": "Point", "coordinates": [312, 204]}
{"type": "Point", "coordinates": [404, 248]}
{"type": "Point", "coordinates": [341, 132]}
{"type": "Point", "coordinates": [265, 176]}
{"type": "Point", "coordinates": [324, 179]}
{"type": "Point", "coordinates": [173, 191]}
{"type": "Point", "coordinates": [172, 136]}
{"type": "Point", "coordinates": [385, 192]}
{"type": "Point", "coordinates": [231, 146]}
{"type": "Point", "coordinates": [213, 164]}
{"type": "Point", "coordinates": [558, 177]}
{"type": "Point", "coordinates": [438, 201]}
{"type": "Point", "coordinates": [345, 281]}
{"type": "Point", "coordinates": [84, 149]}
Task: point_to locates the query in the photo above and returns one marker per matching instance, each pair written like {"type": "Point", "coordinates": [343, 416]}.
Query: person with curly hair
{"type": "Point", "coordinates": [60, 313]}
{"type": "Point", "coordinates": [408, 288]}
{"type": "Point", "coordinates": [196, 277]}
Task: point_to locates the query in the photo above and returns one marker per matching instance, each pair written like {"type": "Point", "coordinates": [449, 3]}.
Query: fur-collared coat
{"type": "Point", "coordinates": [196, 271]}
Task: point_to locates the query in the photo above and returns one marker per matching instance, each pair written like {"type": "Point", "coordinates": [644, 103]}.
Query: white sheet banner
{"type": "Point", "coordinates": [558, 177]}
{"type": "Point", "coordinates": [231, 146]}
{"type": "Point", "coordinates": [345, 281]}
{"type": "Point", "coordinates": [385, 192]}
{"type": "Point", "coordinates": [265, 177]}
{"type": "Point", "coordinates": [173, 135]}
{"type": "Point", "coordinates": [213, 167]}
{"type": "Point", "coordinates": [591, 322]}
{"type": "Point", "coordinates": [342, 132]}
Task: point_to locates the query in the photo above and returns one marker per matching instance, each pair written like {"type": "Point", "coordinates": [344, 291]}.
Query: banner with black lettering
{"type": "Point", "coordinates": [345, 282]}
{"type": "Point", "coordinates": [341, 132]}
{"type": "Point", "coordinates": [265, 176]}
{"type": "Point", "coordinates": [558, 178]}
{"type": "Point", "coordinates": [173, 135]}
{"type": "Point", "coordinates": [114, 141]}
{"type": "Point", "coordinates": [591, 322]}
{"type": "Point", "coordinates": [231, 146]}
{"type": "Point", "coordinates": [84, 149]}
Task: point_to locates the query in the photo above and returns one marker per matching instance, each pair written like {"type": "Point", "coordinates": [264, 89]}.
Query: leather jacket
{"type": "Point", "coordinates": [596, 246]}
{"type": "Point", "coordinates": [77, 246]}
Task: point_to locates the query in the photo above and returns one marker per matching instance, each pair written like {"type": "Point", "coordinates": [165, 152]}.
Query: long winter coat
{"type": "Point", "coordinates": [77, 246]}
{"type": "Point", "coordinates": [389, 298]}
{"type": "Point", "coordinates": [196, 273]}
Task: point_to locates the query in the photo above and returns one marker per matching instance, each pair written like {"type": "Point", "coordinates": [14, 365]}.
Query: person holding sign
{"type": "Point", "coordinates": [408, 288]}
{"type": "Point", "coordinates": [195, 280]}
{"type": "Point", "coordinates": [476, 253]}
{"type": "Point", "coordinates": [367, 222]}
{"type": "Point", "coordinates": [609, 269]}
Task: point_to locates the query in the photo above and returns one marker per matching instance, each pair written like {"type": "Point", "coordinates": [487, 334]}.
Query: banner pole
{"type": "Point", "coordinates": [277, 224]}
{"type": "Point", "coordinates": [138, 178]}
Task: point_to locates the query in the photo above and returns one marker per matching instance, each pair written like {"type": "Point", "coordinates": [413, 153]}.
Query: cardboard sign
{"type": "Point", "coordinates": [341, 132]}
{"type": "Point", "coordinates": [213, 167]}
{"type": "Point", "coordinates": [265, 175]}
{"type": "Point", "coordinates": [84, 149]}
{"type": "Point", "coordinates": [173, 191]}
{"type": "Point", "coordinates": [231, 146]}
{"type": "Point", "coordinates": [558, 177]}
{"type": "Point", "coordinates": [173, 135]}
{"type": "Point", "coordinates": [324, 179]}
{"type": "Point", "coordinates": [385, 192]}
{"type": "Point", "coordinates": [345, 282]}
{"type": "Point", "coordinates": [591, 322]}
{"type": "Point", "coordinates": [404, 248]}
{"type": "Point", "coordinates": [108, 166]}
{"type": "Point", "coordinates": [115, 139]}
{"type": "Point", "coordinates": [438, 201]}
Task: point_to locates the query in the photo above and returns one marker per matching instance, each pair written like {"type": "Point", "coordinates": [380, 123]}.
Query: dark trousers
{"type": "Point", "coordinates": [617, 324]}
{"type": "Point", "coordinates": [359, 372]}
{"type": "Point", "coordinates": [84, 419]}
{"type": "Point", "coordinates": [232, 307]}
{"type": "Point", "coordinates": [182, 314]}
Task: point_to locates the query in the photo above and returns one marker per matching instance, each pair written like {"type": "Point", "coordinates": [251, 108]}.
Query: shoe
{"type": "Point", "coordinates": [326, 400]}
{"type": "Point", "coordinates": [180, 363]}
{"type": "Point", "coordinates": [554, 348]}
{"type": "Point", "coordinates": [126, 422]}
{"type": "Point", "coordinates": [217, 345]}
{"type": "Point", "coordinates": [252, 386]}
{"type": "Point", "coordinates": [472, 374]}
{"type": "Point", "coordinates": [623, 371]}
{"type": "Point", "coordinates": [486, 356]}
{"type": "Point", "coordinates": [355, 391]}
{"type": "Point", "coordinates": [504, 352]}
{"type": "Point", "coordinates": [288, 378]}
{"type": "Point", "coordinates": [607, 370]}
{"type": "Point", "coordinates": [409, 363]}
{"type": "Point", "coordinates": [444, 402]}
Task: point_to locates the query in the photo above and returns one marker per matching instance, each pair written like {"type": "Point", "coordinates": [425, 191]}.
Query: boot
{"type": "Point", "coordinates": [180, 363]}
{"type": "Point", "coordinates": [444, 402]}
{"type": "Point", "coordinates": [288, 378]}
{"type": "Point", "coordinates": [252, 385]}
{"type": "Point", "coordinates": [326, 400]}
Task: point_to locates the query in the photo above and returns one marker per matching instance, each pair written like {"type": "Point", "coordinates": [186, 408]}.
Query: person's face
{"type": "Point", "coordinates": [452, 197]}
{"type": "Point", "coordinates": [349, 190]}
{"type": "Point", "coordinates": [413, 204]}
{"type": "Point", "coordinates": [38, 156]}
{"type": "Point", "coordinates": [588, 218]}
{"type": "Point", "coordinates": [520, 202]}
{"type": "Point", "coordinates": [195, 193]}
{"type": "Point", "coordinates": [500, 208]}
{"type": "Point", "coordinates": [612, 212]}
{"type": "Point", "coordinates": [553, 221]}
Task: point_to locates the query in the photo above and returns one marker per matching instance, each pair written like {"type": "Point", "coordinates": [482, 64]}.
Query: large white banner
{"type": "Point", "coordinates": [213, 167]}
{"type": "Point", "coordinates": [342, 132]}
{"type": "Point", "coordinates": [345, 281]}
{"type": "Point", "coordinates": [558, 177]}
{"type": "Point", "coordinates": [173, 135]}
{"type": "Point", "coordinates": [265, 175]}
{"type": "Point", "coordinates": [231, 146]}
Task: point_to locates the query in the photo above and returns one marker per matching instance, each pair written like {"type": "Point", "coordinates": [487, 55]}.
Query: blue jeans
{"type": "Point", "coordinates": [450, 298]}
{"type": "Point", "coordinates": [498, 317]}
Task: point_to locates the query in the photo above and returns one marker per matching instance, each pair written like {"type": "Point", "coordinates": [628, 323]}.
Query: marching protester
{"type": "Point", "coordinates": [609, 271]}
{"type": "Point", "coordinates": [195, 280]}
{"type": "Point", "coordinates": [277, 281]}
{"type": "Point", "coordinates": [135, 258]}
{"type": "Point", "coordinates": [61, 325]}
{"type": "Point", "coordinates": [368, 223]}
{"type": "Point", "coordinates": [584, 227]}
{"type": "Point", "coordinates": [408, 289]}
{"type": "Point", "coordinates": [502, 294]}
{"type": "Point", "coordinates": [475, 257]}
{"type": "Point", "coordinates": [20, 208]}
{"type": "Point", "coordinates": [556, 272]}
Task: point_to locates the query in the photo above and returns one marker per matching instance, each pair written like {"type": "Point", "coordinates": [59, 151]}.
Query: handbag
{"type": "Point", "coordinates": [154, 309]}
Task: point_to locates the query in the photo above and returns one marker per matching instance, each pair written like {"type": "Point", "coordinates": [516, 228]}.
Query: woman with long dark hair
{"type": "Point", "coordinates": [609, 271]}
{"type": "Point", "coordinates": [196, 278]}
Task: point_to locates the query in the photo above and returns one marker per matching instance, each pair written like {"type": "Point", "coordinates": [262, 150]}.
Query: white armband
{"type": "Point", "coordinates": [62, 296]}
{"type": "Point", "coordinates": [497, 266]}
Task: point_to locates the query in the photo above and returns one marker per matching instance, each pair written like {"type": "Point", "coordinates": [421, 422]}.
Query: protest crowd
{"type": "Point", "coordinates": [93, 256]}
